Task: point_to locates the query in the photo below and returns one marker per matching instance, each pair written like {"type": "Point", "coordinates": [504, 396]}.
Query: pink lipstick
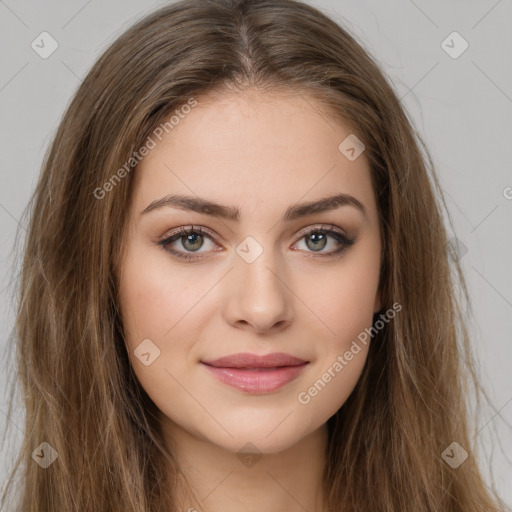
{"type": "Point", "coordinates": [256, 374]}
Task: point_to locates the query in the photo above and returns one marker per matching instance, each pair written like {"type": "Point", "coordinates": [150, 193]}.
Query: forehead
{"type": "Point", "coordinates": [253, 148]}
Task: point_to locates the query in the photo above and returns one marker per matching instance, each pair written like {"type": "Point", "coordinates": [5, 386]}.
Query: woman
{"type": "Point", "coordinates": [236, 289]}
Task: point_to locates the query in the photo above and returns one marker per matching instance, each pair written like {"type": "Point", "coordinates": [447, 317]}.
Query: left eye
{"type": "Point", "coordinates": [192, 240]}
{"type": "Point", "coordinates": [318, 239]}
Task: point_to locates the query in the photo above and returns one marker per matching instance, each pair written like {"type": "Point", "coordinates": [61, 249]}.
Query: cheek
{"type": "Point", "coordinates": [341, 302]}
{"type": "Point", "coordinates": [158, 314]}
{"type": "Point", "coordinates": [156, 300]}
{"type": "Point", "coordinates": [329, 389]}
{"type": "Point", "coordinates": [165, 306]}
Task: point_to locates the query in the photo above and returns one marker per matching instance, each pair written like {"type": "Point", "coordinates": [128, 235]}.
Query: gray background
{"type": "Point", "coordinates": [461, 106]}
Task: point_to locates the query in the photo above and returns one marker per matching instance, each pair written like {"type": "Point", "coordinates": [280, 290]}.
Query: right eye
{"type": "Point", "coordinates": [190, 239]}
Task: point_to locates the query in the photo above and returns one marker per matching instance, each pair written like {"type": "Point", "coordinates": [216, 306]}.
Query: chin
{"type": "Point", "coordinates": [254, 442]}
{"type": "Point", "coordinates": [271, 435]}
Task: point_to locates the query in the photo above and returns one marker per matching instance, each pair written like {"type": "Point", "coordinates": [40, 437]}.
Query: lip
{"type": "Point", "coordinates": [256, 374]}
{"type": "Point", "coordinates": [248, 360]}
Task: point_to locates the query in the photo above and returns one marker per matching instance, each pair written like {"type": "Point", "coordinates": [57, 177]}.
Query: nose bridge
{"type": "Point", "coordinates": [261, 297]}
{"type": "Point", "coordinates": [258, 269]}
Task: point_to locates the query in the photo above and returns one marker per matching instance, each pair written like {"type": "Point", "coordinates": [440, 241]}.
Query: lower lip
{"type": "Point", "coordinates": [255, 380]}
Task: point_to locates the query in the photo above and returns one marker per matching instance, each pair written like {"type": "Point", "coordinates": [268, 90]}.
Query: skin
{"type": "Point", "coordinates": [262, 153]}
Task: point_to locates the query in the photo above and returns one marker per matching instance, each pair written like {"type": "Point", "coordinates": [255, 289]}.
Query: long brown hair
{"type": "Point", "coordinates": [80, 395]}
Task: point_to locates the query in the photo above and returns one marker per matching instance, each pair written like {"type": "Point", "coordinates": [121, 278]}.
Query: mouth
{"type": "Point", "coordinates": [256, 374]}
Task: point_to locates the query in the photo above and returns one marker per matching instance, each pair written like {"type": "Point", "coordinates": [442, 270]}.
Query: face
{"type": "Point", "coordinates": [267, 273]}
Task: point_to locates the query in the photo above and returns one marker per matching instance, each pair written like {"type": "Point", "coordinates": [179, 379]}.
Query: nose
{"type": "Point", "coordinates": [259, 297]}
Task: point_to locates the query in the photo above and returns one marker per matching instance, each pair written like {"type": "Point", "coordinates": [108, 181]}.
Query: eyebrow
{"type": "Point", "coordinates": [206, 207]}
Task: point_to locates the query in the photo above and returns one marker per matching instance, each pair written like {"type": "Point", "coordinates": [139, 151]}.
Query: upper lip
{"type": "Point", "coordinates": [247, 360]}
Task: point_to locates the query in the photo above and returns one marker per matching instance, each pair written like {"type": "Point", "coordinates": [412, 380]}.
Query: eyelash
{"type": "Point", "coordinates": [186, 231]}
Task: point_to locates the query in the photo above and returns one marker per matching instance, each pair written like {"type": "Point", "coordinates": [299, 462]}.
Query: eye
{"type": "Point", "coordinates": [316, 240]}
{"type": "Point", "coordinates": [190, 239]}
